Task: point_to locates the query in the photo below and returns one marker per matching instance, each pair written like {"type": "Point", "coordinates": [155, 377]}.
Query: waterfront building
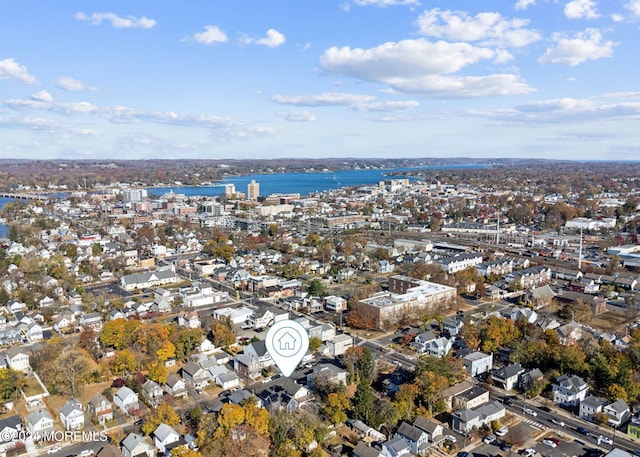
{"type": "Point", "coordinates": [253, 190]}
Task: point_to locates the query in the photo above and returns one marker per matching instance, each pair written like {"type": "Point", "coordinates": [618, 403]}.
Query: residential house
{"type": "Point", "coordinates": [326, 373]}
{"type": "Point", "coordinates": [18, 359]}
{"type": "Point", "coordinates": [453, 326]}
{"type": "Point", "coordinates": [152, 392]}
{"type": "Point", "coordinates": [195, 375]}
{"type": "Point", "coordinates": [227, 380]}
{"type": "Point", "coordinates": [247, 366]}
{"type": "Point", "coordinates": [434, 430]}
{"type": "Point", "coordinates": [135, 445]}
{"type": "Point", "coordinates": [418, 439]}
{"type": "Point", "coordinates": [465, 420]}
{"type": "Point", "coordinates": [261, 318]}
{"type": "Point", "coordinates": [617, 413]}
{"type": "Point", "coordinates": [126, 399]}
{"type": "Point", "coordinates": [364, 450]}
{"type": "Point", "coordinates": [72, 415]}
{"type": "Point", "coordinates": [470, 398]}
{"type": "Point", "coordinates": [396, 447]}
{"type": "Point", "coordinates": [100, 408]}
{"type": "Point", "coordinates": [63, 322]}
{"type": "Point", "coordinates": [569, 390]}
{"type": "Point", "coordinates": [335, 304]}
{"type": "Point", "coordinates": [366, 432]}
{"type": "Point", "coordinates": [93, 320]}
{"type": "Point", "coordinates": [339, 345]}
{"type": "Point", "coordinates": [591, 407]}
{"type": "Point", "coordinates": [507, 377]}
{"type": "Point", "coordinates": [258, 351]}
{"type": "Point", "coordinates": [528, 378]}
{"type": "Point", "coordinates": [569, 333]}
{"type": "Point", "coordinates": [162, 275]}
{"type": "Point", "coordinates": [39, 423]}
{"type": "Point", "coordinates": [598, 304]}
{"type": "Point", "coordinates": [165, 438]}
{"type": "Point", "coordinates": [478, 363]}
{"type": "Point", "coordinates": [10, 428]}
{"type": "Point", "coordinates": [176, 386]}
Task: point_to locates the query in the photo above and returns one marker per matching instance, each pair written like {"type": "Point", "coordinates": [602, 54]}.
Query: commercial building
{"type": "Point", "coordinates": [253, 190]}
{"type": "Point", "coordinates": [407, 297]}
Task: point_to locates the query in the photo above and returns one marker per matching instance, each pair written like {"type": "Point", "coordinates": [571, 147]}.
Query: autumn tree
{"type": "Point", "coordinates": [72, 371]}
{"type": "Point", "coordinates": [336, 407]}
{"type": "Point", "coordinates": [11, 381]}
{"type": "Point", "coordinates": [124, 363]}
{"type": "Point", "coordinates": [163, 414]}
{"type": "Point", "coordinates": [223, 333]}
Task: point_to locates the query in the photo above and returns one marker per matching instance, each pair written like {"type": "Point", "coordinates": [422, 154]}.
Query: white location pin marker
{"type": "Point", "coordinates": [287, 342]}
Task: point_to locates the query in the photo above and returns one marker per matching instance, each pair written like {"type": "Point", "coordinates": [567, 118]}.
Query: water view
{"type": "Point", "coordinates": [303, 183]}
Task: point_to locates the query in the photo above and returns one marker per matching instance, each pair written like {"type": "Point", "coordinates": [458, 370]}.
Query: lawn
{"type": "Point", "coordinates": [56, 402]}
{"type": "Point", "coordinates": [608, 321]}
{"type": "Point", "coordinates": [32, 387]}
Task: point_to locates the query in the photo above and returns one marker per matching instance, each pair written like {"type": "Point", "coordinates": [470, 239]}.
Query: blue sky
{"type": "Point", "coordinates": [319, 78]}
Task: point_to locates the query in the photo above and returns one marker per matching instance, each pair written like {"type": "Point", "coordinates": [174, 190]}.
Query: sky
{"type": "Point", "coordinates": [246, 79]}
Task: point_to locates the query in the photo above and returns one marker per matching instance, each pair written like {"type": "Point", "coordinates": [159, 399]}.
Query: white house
{"type": "Point", "coordinates": [569, 390]}
{"type": "Point", "coordinates": [39, 423]}
{"type": "Point", "coordinates": [507, 377]}
{"type": "Point", "coordinates": [478, 363]}
{"type": "Point", "coordinates": [339, 345]}
{"type": "Point", "coordinates": [135, 445]}
{"type": "Point", "coordinates": [418, 439]}
{"type": "Point", "coordinates": [176, 386]}
{"type": "Point", "coordinates": [126, 399]}
{"type": "Point", "coordinates": [617, 412]}
{"type": "Point", "coordinates": [164, 436]}
{"type": "Point", "coordinates": [227, 380]}
{"type": "Point", "coordinates": [72, 415]}
{"type": "Point", "coordinates": [18, 359]}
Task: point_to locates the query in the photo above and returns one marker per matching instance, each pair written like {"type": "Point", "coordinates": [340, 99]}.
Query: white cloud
{"type": "Point", "coordinates": [587, 45]}
{"type": "Point", "coordinates": [418, 67]}
{"type": "Point", "coordinates": [44, 125]}
{"type": "Point", "coordinates": [524, 4]}
{"type": "Point", "coordinates": [388, 107]}
{"type": "Point", "coordinates": [326, 99]}
{"type": "Point", "coordinates": [118, 114]}
{"type": "Point", "coordinates": [272, 40]}
{"type": "Point", "coordinates": [487, 28]}
{"type": "Point", "coordinates": [129, 22]}
{"type": "Point", "coordinates": [634, 7]}
{"type": "Point", "coordinates": [615, 17]}
{"type": "Point", "coordinates": [42, 96]}
{"type": "Point", "coordinates": [72, 85]}
{"type": "Point", "coordinates": [10, 69]}
{"type": "Point", "coordinates": [581, 9]}
{"type": "Point", "coordinates": [212, 34]}
{"type": "Point", "coordinates": [297, 116]}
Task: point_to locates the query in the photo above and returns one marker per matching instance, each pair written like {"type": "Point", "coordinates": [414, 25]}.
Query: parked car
{"type": "Point", "coordinates": [508, 401]}
{"type": "Point", "coordinates": [528, 452]}
{"type": "Point", "coordinates": [605, 439]}
{"type": "Point", "coordinates": [489, 439]}
{"type": "Point", "coordinates": [549, 443]}
{"type": "Point", "coordinates": [505, 446]}
{"type": "Point", "coordinates": [555, 440]}
{"type": "Point", "coordinates": [86, 452]}
{"type": "Point", "coordinates": [557, 422]}
{"type": "Point", "coordinates": [530, 412]}
{"type": "Point", "coordinates": [463, 454]}
{"type": "Point", "coordinates": [450, 438]}
{"type": "Point", "coordinates": [54, 449]}
{"type": "Point", "coordinates": [583, 431]}
{"type": "Point", "coordinates": [502, 431]}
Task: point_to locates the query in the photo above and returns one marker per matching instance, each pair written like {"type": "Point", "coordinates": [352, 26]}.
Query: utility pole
{"type": "Point", "coordinates": [580, 251]}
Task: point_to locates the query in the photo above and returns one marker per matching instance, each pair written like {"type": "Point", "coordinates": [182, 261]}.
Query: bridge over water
{"type": "Point", "coordinates": [20, 196]}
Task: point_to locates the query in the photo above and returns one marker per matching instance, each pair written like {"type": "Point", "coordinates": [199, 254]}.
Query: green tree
{"type": "Point", "coordinates": [362, 402]}
{"type": "Point", "coordinates": [316, 288]}
{"type": "Point", "coordinates": [314, 343]}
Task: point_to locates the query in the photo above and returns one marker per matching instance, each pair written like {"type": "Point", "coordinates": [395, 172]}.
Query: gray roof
{"type": "Point", "coordinates": [132, 440]}
{"type": "Point", "coordinates": [409, 431]}
{"type": "Point", "coordinates": [164, 431]}
{"type": "Point", "coordinates": [364, 450]}
{"type": "Point", "coordinates": [37, 416]}
{"type": "Point", "coordinates": [73, 404]}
